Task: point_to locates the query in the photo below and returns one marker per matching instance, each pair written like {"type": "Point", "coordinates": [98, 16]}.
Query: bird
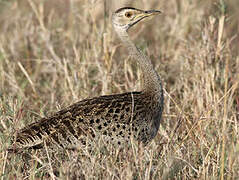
{"type": "Point", "coordinates": [116, 117]}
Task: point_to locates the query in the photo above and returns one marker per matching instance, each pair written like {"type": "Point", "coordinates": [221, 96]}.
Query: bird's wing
{"type": "Point", "coordinates": [82, 118]}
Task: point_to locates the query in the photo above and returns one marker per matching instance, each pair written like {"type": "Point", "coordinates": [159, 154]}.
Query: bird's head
{"type": "Point", "coordinates": [126, 17]}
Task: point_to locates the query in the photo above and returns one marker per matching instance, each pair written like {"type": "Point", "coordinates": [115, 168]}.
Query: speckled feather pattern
{"type": "Point", "coordinates": [110, 116]}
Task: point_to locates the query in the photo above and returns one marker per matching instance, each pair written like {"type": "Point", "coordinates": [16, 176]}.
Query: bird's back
{"type": "Point", "coordinates": [116, 117]}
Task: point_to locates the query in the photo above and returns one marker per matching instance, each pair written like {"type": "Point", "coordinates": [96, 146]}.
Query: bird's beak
{"type": "Point", "coordinates": [144, 14]}
{"type": "Point", "coordinates": [152, 13]}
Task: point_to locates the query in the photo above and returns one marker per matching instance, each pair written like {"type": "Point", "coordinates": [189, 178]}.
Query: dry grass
{"type": "Point", "coordinates": [55, 53]}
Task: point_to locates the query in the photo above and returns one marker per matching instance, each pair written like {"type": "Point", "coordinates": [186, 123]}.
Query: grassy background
{"type": "Point", "coordinates": [54, 53]}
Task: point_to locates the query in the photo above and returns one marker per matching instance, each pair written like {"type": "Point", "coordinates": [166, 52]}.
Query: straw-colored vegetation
{"type": "Point", "coordinates": [54, 53]}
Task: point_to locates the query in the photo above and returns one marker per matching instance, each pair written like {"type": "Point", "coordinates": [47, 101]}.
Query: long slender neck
{"type": "Point", "coordinates": [151, 80]}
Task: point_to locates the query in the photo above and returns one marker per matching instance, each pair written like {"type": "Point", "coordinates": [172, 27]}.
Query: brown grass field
{"type": "Point", "coordinates": [54, 53]}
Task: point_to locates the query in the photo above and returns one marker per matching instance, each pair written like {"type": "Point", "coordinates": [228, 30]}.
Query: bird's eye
{"type": "Point", "coordinates": [128, 14]}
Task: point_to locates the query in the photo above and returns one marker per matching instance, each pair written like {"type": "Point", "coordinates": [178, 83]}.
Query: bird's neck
{"type": "Point", "coordinates": [151, 82]}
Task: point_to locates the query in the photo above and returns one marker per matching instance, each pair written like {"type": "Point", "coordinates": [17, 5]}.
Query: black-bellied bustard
{"type": "Point", "coordinates": [117, 117]}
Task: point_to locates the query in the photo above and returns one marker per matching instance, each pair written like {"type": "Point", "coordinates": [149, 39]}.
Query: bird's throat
{"type": "Point", "coordinates": [151, 82]}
